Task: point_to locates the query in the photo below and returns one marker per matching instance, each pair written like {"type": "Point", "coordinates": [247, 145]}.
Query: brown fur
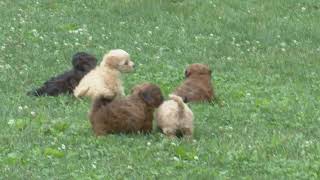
{"type": "Point", "coordinates": [197, 86]}
{"type": "Point", "coordinates": [131, 114]}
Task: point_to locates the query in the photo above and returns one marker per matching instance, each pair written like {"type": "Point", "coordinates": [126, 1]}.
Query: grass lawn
{"type": "Point", "coordinates": [265, 57]}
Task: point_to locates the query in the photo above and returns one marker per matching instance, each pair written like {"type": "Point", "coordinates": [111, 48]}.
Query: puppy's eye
{"type": "Point", "coordinates": [126, 63]}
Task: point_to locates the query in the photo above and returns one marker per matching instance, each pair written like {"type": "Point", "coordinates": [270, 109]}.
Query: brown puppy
{"type": "Point", "coordinates": [131, 114]}
{"type": "Point", "coordinates": [197, 86]}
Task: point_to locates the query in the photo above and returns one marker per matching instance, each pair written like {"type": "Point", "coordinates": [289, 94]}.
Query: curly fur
{"type": "Point", "coordinates": [197, 86]}
{"type": "Point", "coordinates": [175, 117]}
{"type": "Point", "coordinates": [65, 83]}
{"type": "Point", "coordinates": [130, 114]}
{"type": "Point", "coordinates": [105, 79]}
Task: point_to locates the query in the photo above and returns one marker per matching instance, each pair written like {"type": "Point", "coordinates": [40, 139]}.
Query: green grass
{"type": "Point", "coordinates": [265, 57]}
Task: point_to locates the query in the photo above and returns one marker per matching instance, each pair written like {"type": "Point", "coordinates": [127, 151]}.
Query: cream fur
{"type": "Point", "coordinates": [174, 115]}
{"type": "Point", "coordinates": [105, 79]}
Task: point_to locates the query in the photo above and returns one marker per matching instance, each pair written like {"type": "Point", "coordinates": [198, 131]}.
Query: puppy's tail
{"type": "Point", "coordinates": [180, 103]}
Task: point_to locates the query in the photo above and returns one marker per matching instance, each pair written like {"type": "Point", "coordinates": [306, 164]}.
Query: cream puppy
{"type": "Point", "coordinates": [175, 117]}
{"type": "Point", "coordinates": [105, 80]}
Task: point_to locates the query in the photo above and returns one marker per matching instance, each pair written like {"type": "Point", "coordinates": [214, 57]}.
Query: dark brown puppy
{"type": "Point", "coordinates": [131, 114]}
{"type": "Point", "coordinates": [197, 86]}
{"type": "Point", "coordinates": [65, 83]}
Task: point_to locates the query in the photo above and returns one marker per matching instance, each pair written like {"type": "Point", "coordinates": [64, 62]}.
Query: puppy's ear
{"type": "Point", "coordinates": [152, 97]}
{"type": "Point", "coordinates": [185, 99]}
{"type": "Point", "coordinates": [187, 73]}
{"type": "Point", "coordinates": [147, 97]}
{"type": "Point", "coordinates": [111, 62]}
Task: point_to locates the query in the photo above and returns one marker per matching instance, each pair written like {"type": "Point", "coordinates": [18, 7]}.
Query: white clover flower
{"type": "Point", "coordinates": [11, 122]}
{"type": "Point", "coordinates": [283, 44]}
{"type": "Point", "coordinates": [283, 49]}
{"type": "Point", "coordinates": [150, 32]}
{"type": "Point", "coordinates": [93, 166]}
{"type": "Point", "coordinates": [32, 113]}
{"type": "Point", "coordinates": [303, 8]}
{"type": "Point", "coordinates": [157, 27]}
{"type": "Point", "coordinates": [20, 108]}
{"type": "Point", "coordinates": [22, 21]}
{"type": "Point", "coordinates": [175, 158]}
{"type": "Point", "coordinates": [196, 158]}
{"type": "Point", "coordinates": [148, 143]}
{"type": "Point", "coordinates": [35, 32]}
{"type": "Point", "coordinates": [63, 146]}
{"type": "Point", "coordinates": [308, 143]}
{"type": "Point", "coordinates": [229, 58]}
{"type": "Point", "coordinates": [229, 128]}
{"type": "Point", "coordinates": [211, 35]}
{"type": "Point", "coordinates": [25, 107]}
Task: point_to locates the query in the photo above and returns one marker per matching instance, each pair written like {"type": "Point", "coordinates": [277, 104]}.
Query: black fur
{"type": "Point", "coordinates": [65, 83]}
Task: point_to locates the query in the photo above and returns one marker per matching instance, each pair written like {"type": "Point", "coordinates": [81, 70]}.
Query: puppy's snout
{"type": "Point", "coordinates": [131, 63]}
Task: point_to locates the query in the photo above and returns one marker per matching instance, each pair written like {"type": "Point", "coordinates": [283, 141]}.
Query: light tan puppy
{"type": "Point", "coordinates": [105, 80]}
{"type": "Point", "coordinates": [174, 117]}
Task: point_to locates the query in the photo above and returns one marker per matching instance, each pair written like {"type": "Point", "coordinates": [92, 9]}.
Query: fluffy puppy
{"type": "Point", "coordinates": [197, 86]}
{"type": "Point", "coordinates": [130, 114]}
{"type": "Point", "coordinates": [105, 79]}
{"type": "Point", "coordinates": [65, 83]}
{"type": "Point", "coordinates": [175, 118]}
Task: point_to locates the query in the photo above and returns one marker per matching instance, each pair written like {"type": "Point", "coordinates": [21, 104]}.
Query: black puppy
{"type": "Point", "coordinates": [65, 83]}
